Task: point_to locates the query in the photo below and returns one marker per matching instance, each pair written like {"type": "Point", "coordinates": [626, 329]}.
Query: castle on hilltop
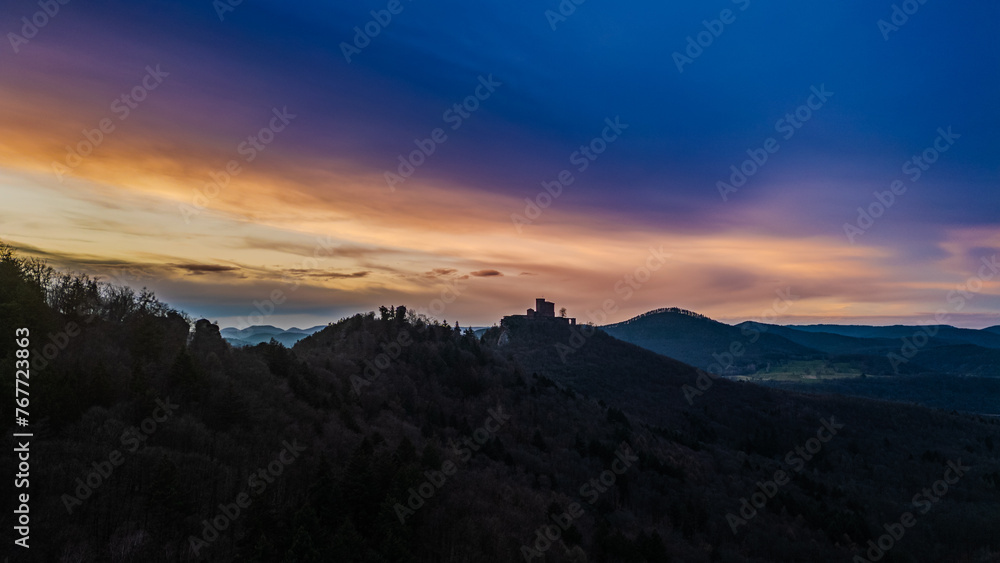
{"type": "Point", "coordinates": [544, 311]}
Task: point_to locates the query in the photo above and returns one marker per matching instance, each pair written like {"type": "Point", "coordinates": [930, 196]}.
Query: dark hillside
{"type": "Point", "coordinates": [877, 456]}
{"type": "Point", "coordinates": [986, 338]}
{"type": "Point", "coordinates": [387, 438]}
{"type": "Point", "coordinates": [829, 342]}
{"type": "Point", "coordinates": [704, 343]}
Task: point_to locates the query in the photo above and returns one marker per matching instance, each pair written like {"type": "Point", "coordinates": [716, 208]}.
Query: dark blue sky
{"type": "Point", "coordinates": [940, 68]}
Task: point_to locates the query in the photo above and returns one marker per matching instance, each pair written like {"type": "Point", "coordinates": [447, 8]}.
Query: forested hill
{"type": "Point", "coordinates": [699, 341]}
{"type": "Point", "coordinates": [385, 437]}
{"type": "Point", "coordinates": [760, 348]}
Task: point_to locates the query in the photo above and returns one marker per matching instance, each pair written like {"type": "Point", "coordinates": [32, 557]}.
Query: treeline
{"type": "Point", "coordinates": [119, 477]}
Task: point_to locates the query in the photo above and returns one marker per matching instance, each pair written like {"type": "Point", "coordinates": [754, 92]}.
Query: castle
{"type": "Point", "coordinates": [544, 311]}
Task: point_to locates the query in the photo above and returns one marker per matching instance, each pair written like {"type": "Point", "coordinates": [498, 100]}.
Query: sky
{"type": "Point", "coordinates": [290, 164]}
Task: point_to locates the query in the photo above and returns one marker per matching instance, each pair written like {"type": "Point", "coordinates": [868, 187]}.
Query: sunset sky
{"type": "Point", "coordinates": [181, 88]}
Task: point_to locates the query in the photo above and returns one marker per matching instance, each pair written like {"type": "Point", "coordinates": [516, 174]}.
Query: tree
{"type": "Point", "coordinates": [348, 543]}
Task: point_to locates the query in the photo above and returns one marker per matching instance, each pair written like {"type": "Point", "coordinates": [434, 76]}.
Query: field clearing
{"type": "Point", "coordinates": [804, 371]}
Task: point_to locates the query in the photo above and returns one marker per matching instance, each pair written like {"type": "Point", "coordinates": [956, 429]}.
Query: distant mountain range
{"type": "Point", "coordinates": [751, 348]}
{"type": "Point", "coordinates": [943, 334]}
{"type": "Point", "coordinates": [251, 336]}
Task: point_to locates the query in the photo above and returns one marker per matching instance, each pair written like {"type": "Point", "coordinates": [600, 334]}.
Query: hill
{"type": "Point", "coordinates": [708, 344]}
{"type": "Point", "coordinates": [762, 350]}
{"type": "Point", "coordinates": [828, 362]}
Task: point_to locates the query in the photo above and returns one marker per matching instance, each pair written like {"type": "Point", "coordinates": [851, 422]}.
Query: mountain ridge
{"type": "Point", "coordinates": [258, 334]}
